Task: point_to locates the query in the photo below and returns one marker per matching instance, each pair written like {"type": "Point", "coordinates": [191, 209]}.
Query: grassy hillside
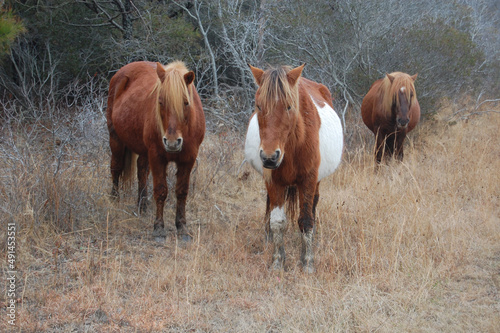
{"type": "Point", "coordinates": [407, 247]}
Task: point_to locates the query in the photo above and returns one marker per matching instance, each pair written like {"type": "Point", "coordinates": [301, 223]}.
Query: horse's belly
{"type": "Point", "coordinates": [129, 127]}
{"type": "Point", "coordinates": [252, 145]}
{"type": "Point", "coordinates": [331, 141]}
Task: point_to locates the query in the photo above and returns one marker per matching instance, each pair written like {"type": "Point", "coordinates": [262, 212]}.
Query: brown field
{"type": "Point", "coordinates": [410, 247]}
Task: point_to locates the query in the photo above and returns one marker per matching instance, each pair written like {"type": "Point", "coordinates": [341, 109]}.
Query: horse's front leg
{"type": "Point", "coordinates": [160, 192]}
{"type": "Point", "coordinates": [400, 138]}
{"type": "Point", "coordinates": [277, 223]}
{"type": "Point", "coordinates": [181, 191]}
{"type": "Point", "coordinates": [308, 199]}
{"type": "Point", "coordinates": [390, 144]}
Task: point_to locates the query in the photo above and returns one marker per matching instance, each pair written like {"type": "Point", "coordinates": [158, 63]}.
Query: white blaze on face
{"type": "Point", "coordinates": [403, 89]}
{"type": "Point", "coordinates": [252, 144]}
{"type": "Point", "coordinates": [331, 140]}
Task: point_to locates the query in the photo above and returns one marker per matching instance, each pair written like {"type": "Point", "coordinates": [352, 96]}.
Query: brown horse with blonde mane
{"type": "Point", "coordinates": [294, 139]}
{"type": "Point", "coordinates": [155, 115]}
{"type": "Point", "coordinates": [390, 110]}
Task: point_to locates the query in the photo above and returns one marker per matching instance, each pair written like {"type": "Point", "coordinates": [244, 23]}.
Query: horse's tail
{"type": "Point", "coordinates": [291, 202]}
{"type": "Point", "coordinates": [129, 167]}
{"type": "Point", "coordinates": [117, 85]}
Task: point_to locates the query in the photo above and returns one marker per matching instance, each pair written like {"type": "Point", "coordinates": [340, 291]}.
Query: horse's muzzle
{"type": "Point", "coordinates": [402, 123]}
{"type": "Point", "coordinates": [273, 161]}
{"type": "Point", "coordinates": [172, 146]}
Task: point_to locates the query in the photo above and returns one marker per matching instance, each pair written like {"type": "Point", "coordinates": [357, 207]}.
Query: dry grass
{"type": "Point", "coordinates": [407, 247]}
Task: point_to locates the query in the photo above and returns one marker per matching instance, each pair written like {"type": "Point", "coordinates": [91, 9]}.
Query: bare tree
{"type": "Point", "coordinates": [243, 38]}
{"type": "Point", "coordinates": [194, 12]}
{"type": "Point", "coordinates": [119, 14]}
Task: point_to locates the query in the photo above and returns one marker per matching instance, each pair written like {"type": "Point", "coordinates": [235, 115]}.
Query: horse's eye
{"type": "Point", "coordinates": [258, 107]}
{"type": "Point", "coordinates": [186, 103]}
{"type": "Point", "coordinates": [289, 108]}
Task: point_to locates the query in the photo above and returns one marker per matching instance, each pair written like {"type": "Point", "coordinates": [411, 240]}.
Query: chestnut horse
{"type": "Point", "coordinates": [155, 114]}
{"type": "Point", "coordinates": [294, 139]}
{"type": "Point", "coordinates": [390, 110]}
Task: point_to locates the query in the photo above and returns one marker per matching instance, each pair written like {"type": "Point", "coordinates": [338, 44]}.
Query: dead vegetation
{"type": "Point", "coordinates": [410, 246]}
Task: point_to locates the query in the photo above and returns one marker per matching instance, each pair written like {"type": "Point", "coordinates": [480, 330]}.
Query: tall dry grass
{"type": "Point", "coordinates": [406, 247]}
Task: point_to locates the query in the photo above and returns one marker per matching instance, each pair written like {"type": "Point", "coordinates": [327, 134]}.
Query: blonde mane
{"type": "Point", "coordinates": [275, 87]}
{"type": "Point", "coordinates": [390, 90]}
{"type": "Point", "coordinates": [174, 90]}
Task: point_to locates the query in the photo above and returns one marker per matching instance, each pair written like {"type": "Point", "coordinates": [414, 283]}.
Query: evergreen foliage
{"type": "Point", "coordinates": [347, 44]}
{"type": "Point", "coordinates": [10, 29]}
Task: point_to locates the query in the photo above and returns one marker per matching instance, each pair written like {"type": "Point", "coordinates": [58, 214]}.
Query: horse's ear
{"type": "Point", "coordinates": [390, 77]}
{"type": "Point", "coordinates": [189, 78]}
{"type": "Point", "coordinates": [294, 74]}
{"type": "Point", "coordinates": [257, 74]}
{"type": "Point", "coordinates": [160, 71]}
{"type": "Point", "coordinates": [414, 77]}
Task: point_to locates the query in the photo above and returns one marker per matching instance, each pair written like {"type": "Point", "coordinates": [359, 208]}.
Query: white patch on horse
{"type": "Point", "coordinates": [277, 219]}
{"type": "Point", "coordinates": [403, 89]}
{"type": "Point", "coordinates": [331, 140]}
{"type": "Point", "coordinates": [252, 145]}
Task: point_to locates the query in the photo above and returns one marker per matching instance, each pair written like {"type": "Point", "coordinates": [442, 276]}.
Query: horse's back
{"type": "Point", "coordinates": [134, 75]}
{"type": "Point", "coordinates": [130, 102]}
{"type": "Point", "coordinates": [317, 90]}
{"type": "Point", "coordinates": [369, 104]}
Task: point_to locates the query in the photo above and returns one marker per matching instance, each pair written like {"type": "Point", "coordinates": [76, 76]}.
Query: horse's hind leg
{"type": "Point", "coordinates": [315, 201]}
{"type": "Point", "coordinates": [142, 176]}
{"type": "Point", "coordinates": [269, 235]}
{"type": "Point", "coordinates": [117, 162]}
{"type": "Point", "coordinates": [181, 191]}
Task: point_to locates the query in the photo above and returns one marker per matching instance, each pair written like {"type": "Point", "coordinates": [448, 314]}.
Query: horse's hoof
{"type": "Point", "coordinates": [308, 269]}
{"type": "Point", "coordinates": [185, 238]}
{"type": "Point", "coordinates": [159, 232]}
{"type": "Point", "coordinates": [277, 265]}
{"type": "Point", "coordinates": [160, 239]}
{"type": "Point", "coordinates": [143, 206]}
{"type": "Point", "coordinates": [143, 210]}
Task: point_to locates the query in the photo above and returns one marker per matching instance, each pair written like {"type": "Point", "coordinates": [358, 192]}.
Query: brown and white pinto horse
{"type": "Point", "coordinates": [155, 113]}
{"type": "Point", "coordinates": [390, 110]}
{"type": "Point", "coordinates": [294, 139]}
